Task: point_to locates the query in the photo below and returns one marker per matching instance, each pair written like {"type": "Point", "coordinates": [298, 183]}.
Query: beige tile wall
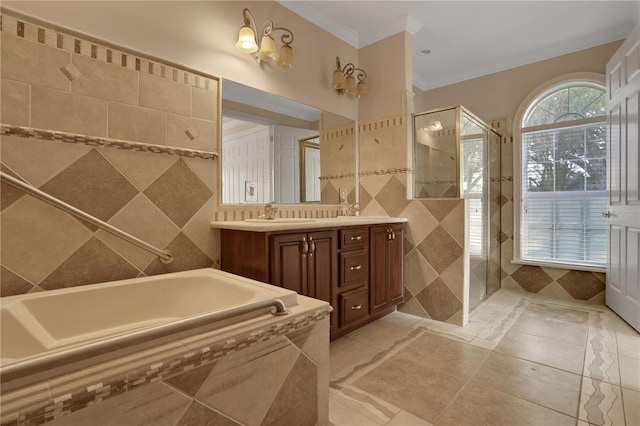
{"type": "Point", "coordinates": [56, 82]}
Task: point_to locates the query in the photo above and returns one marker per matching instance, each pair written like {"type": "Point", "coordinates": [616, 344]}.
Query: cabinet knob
{"type": "Point", "coordinates": [357, 307]}
{"type": "Point", "coordinates": [305, 246]}
{"type": "Point", "coordinates": [356, 268]}
{"type": "Point", "coordinates": [356, 238]}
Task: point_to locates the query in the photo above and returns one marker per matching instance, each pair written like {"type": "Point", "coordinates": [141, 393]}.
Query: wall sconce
{"type": "Point", "coordinates": [266, 48]}
{"type": "Point", "coordinates": [345, 82]}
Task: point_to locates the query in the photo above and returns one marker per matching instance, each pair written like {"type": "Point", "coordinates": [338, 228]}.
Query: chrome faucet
{"type": "Point", "coordinates": [353, 209]}
{"type": "Point", "coordinates": [269, 211]}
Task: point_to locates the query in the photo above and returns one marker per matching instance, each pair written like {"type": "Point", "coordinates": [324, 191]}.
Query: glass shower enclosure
{"type": "Point", "coordinates": [457, 155]}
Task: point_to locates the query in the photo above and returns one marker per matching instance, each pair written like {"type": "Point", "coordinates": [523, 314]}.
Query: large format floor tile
{"type": "Point", "coordinates": [525, 360]}
{"type": "Point", "coordinates": [478, 405]}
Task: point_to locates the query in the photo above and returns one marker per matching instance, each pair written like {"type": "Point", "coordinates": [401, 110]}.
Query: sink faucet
{"type": "Point", "coordinates": [269, 211]}
{"type": "Point", "coordinates": [353, 209]}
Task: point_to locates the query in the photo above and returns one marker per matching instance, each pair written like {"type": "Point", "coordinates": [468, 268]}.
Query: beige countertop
{"type": "Point", "coordinates": [287, 224]}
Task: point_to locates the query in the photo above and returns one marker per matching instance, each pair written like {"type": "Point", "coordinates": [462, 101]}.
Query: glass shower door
{"type": "Point", "coordinates": [474, 189]}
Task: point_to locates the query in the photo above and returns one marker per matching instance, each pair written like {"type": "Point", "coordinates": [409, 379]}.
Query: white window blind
{"type": "Point", "coordinates": [564, 195]}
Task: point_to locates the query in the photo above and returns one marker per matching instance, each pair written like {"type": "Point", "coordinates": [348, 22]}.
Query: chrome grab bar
{"type": "Point", "coordinates": [164, 255]}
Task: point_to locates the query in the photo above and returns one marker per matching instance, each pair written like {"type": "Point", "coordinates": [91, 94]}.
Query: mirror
{"type": "Point", "coordinates": [275, 149]}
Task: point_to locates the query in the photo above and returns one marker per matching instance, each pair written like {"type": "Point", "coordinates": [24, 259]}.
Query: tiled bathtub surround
{"type": "Point", "coordinates": [268, 374]}
{"type": "Point", "coordinates": [524, 359]}
{"type": "Point", "coordinates": [130, 140]}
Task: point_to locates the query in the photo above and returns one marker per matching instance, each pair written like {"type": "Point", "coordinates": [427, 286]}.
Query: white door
{"type": "Point", "coordinates": [623, 105]}
{"type": "Point", "coordinates": [286, 169]}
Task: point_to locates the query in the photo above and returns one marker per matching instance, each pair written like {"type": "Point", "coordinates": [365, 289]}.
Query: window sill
{"type": "Point", "coordinates": [560, 265]}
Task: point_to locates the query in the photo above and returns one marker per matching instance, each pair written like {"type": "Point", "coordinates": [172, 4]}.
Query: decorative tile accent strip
{"type": "Point", "coordinates": [396, 171]}
{"type": "Point", "coordinates": [42, 34]}
{"type": "Point", "coordinates": [437, 182]}
{"type": "Point", "coordinates": [253, 211]}
{"type": "Point", "coordinates": [50, 135]}
{"type": "Point", "coordinates": [382, 123]}
{"type": "Point", "coordinates": [339, 176]}
{"type": "Point", "coordinates": [59, 405]}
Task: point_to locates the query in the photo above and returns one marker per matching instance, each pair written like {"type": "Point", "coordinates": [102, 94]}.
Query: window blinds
{"type": "Point", "coordinates": [564, 195]}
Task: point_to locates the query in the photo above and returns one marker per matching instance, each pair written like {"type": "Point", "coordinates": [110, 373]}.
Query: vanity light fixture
{"type": "Point", "coordinates": [345, 82]}
{"type": "Point", "coordinates": [266, 47]}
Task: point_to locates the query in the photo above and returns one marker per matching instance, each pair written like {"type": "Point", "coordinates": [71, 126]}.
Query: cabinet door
{"type": "Point", "coordinates": [321, 264]}
{"type": "Point", "coordinates": [289, 262]}
{"type": "Point", "coordinates": [396, 254]}
{"type": "Point", "coordinates": [378, 269]}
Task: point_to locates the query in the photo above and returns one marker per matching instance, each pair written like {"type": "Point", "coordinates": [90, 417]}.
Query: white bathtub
{"type": "Point", "coordinates": [42, 330]}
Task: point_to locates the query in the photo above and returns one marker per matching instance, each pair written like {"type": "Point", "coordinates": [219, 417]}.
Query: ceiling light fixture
{"type": "Point", "coordinates": [266, 47]}
{"type": "Point", "coordinates": [345, 82]}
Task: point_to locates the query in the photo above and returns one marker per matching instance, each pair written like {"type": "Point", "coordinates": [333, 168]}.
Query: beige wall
{"type": "Point", "coordinates": [388, 66]}
{"type": "Point", "coordinates": [495, 99]}
{"type": "Point", "coordinates": [498, 95]}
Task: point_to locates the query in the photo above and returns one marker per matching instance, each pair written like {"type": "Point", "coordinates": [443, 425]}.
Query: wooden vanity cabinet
{"type": "Point", "coordinates": [304, 262]}
{"type": "Point", "coordinates": [350, 296]}
{"type": "Point", "coordinates": [357, 269]}
{"type": "Point", "coordinates": [387, 253]}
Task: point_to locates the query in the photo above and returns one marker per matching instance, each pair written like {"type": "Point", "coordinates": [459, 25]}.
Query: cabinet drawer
{"type": "Point", "coordinates": [354, 306]}
{"type": "Point", "coordinates": [354, 267]}
{"type": "Point", "coordinates": [354, 238]}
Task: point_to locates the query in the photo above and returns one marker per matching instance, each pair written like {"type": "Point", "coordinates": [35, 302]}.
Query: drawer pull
{"type": "Point", "coordinates": [356, 238]}
{"type": "Point", "coordinates": [356, 268]}
{"type": "Point", "coordinates": [357, 307]}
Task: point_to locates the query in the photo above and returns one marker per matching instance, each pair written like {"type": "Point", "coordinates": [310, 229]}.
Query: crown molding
{"type": "Point", "coordinates": [408, 23]}
{"type": "Point", "coordinates": [312, 14]}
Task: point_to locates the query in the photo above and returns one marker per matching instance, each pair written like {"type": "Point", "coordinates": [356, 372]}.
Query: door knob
{"type": "Point", "coordinates": [606, 214]}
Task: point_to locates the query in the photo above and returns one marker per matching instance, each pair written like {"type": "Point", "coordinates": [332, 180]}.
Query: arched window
{"type": "Point", "coordinates": [561, 176]}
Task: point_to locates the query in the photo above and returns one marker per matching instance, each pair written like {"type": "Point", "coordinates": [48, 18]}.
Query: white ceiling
{"type": "Point", "coordinates": [468, 39]}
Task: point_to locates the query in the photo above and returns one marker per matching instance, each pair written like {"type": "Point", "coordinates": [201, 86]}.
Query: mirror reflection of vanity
{"type": "Point", "coordinates": [275, 149]}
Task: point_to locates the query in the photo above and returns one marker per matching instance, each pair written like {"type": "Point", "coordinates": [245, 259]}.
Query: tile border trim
{"type": "Point", "coordinates": [41, 32]}
{"type": "Point", "coordinates": [97, 141]}
{"type": "Point", "coordinates": [60, 405]}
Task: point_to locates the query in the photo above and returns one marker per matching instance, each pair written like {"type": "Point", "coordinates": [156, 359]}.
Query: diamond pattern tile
{"type": "Point", "coordinates": [440, 208]}
{"type": "Point", "coordinates": [439, 301]}
{"type": "Point", "coordinates": [178, 193]}
{"type": "Point", "coordinates": [93, 185]}
{"type": "Point", "coordinates": [418, 273]}
{"type": "Point", "coordinates": [581, 285]}
{"type": "Point", "coordinates": [440, 249]}
{"type": "Point", "coordinates": [329, 194]}
{"type": "Point", "coordinates": [141, 168]}
{"type": "Point", "coordinates": [186, 256]}
{"type": "Point", "coordinates": [365, 198]}
{"type": "Point", "coordinates": [141, 218]}
{"type": "Point", "coordinates": [191, 381]}
{"type": "Point", "coordinates": [531, 278]}
{"type": "Point", "coordinates": [36, 160]}
{"type": "Point", "coordinates": [8, 194]}
{"type": "Point", "coordinates": [198, 414]}
{"type": "Point", "coordinates": [13, 284]}
{"type": "Point", "coordinates": [420, 222]}
{"type": "Point", "coordinates": [296, 402]}
{"type": "Point", "coordinates": [393, 197]}
{"type": "Point", "coordinates": [94, 262]}
{"type": "Point", "coordinates": [37, 238]}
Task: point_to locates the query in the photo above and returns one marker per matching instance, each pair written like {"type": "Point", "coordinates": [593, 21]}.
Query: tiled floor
{"type": "Point", "coordinates": [522, 360]}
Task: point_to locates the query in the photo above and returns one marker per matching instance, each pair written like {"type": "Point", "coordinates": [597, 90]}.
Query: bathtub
{"type": "Point", "coordinates": [66, 352]}
{"type": "Point", "coordinates": [44, 330]}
